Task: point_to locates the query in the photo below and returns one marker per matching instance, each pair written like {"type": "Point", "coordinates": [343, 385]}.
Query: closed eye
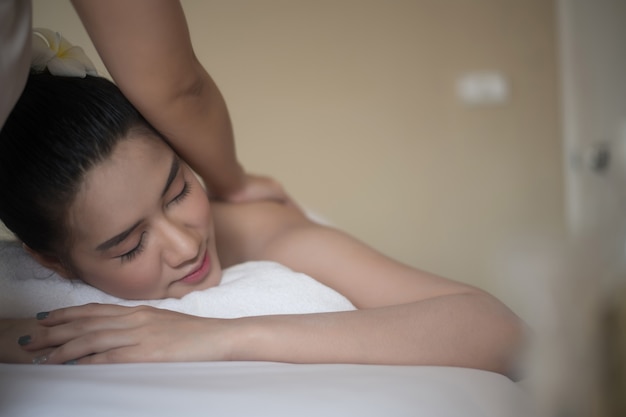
{"type": "Point", "coordinates": [131, 254]}
{"type": "Point", "coordinates": [183, 193]}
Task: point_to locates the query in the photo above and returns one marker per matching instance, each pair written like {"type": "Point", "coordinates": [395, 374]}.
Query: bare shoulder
{"type": "Point", "coordinates": [368, 278]}
{"type": "Point", "coordinates": [243, 230]}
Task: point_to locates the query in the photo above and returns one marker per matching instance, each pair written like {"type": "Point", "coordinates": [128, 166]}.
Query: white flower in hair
{"type": "Point", "coordinates": [53, 51]}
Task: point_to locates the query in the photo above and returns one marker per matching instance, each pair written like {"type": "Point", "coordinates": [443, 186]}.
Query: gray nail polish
{"type": "Point", "coordinates": [72, 362]}
{"type": "Point", "coordinates": [24, 340]}
{"type": "Point", "coordinates": [42, 315]}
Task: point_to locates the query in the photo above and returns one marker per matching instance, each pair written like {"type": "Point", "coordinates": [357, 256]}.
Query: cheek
{"type": "Point", "coordinates": [136, 280]}
{"type": "Point", "coordinates": [200, 209]}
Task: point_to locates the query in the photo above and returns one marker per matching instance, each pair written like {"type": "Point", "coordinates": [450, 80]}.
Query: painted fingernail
{"type": "Point", "coordinates": [24, 340]}
{"type": "Point", "coordinates": [72, 362]}
{"type": "Point", "coordinates": [42, 315]}
{"type": "Point", "coordinates": [40, 360]}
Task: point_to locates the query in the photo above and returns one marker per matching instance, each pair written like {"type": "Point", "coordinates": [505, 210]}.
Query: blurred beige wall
{"type": "Point", "coordinates": [352, 105]}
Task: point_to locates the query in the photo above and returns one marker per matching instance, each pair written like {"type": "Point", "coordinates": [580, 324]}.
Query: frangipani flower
{"type": "Point", "coordinates": [53, 51]}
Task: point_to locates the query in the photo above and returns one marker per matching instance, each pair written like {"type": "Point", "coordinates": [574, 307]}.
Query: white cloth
{"type": "Point", "coordinates": [15, 30]}
{"type": "Point", "coordinates": [248, 289]}
{"type": "Point", "coordinates": [244, 389]}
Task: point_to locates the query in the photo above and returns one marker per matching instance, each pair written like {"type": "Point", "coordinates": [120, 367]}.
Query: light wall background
{"type": "Point", "coordinates": [352, 105]}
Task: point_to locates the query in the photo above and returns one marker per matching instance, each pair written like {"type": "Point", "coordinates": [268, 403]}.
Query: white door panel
{"type": "Point", "coordinates": [593, 48]}
{"type": "Point", "coordinates": [574, 352]}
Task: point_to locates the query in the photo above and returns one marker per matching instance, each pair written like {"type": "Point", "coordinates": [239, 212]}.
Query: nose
{"type": "Point", "coordinates": [181, 245]}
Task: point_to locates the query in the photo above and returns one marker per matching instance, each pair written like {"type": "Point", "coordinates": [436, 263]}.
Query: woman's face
{"type": "Point", "coordinates": [141, 225]}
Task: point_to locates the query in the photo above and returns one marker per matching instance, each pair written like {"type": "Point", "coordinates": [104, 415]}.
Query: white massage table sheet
{"type": "Point", "coordinates": [256, 389]}
{"type": "Point", "coordinates": [236, 388]}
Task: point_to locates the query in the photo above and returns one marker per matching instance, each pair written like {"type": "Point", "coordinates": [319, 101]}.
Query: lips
{"type": "Point", "coordinates": [199, 273]}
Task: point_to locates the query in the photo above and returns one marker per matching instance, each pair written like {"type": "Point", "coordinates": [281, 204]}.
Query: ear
{"type": "Point", "coordinates": [49, 261]}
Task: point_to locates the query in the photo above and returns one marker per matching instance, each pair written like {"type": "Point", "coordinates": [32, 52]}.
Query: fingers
{"type": "Point", "coordinates": [22, 355]}
{"type": "Point", "coordinates": [104, 346]}
{"type": "Point", "coordinates": [75, 332]}
{"type": "Point", "coordinates": [69, 314]}
{"type": "Point", "coordinates": [62, 333]}
{"type": "Point", "coordinates": [14, 335]}
{"type": "Point", "coordinates": [33, 357]}
{"type": "Point", "coordinates": [114, 334]}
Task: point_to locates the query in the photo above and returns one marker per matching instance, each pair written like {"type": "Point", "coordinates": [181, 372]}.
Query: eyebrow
{"type": "Point", "coordinates": [119, 238]}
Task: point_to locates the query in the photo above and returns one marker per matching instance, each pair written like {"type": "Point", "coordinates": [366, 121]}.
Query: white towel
{"type": "Point", "coordinates": [248, 289]}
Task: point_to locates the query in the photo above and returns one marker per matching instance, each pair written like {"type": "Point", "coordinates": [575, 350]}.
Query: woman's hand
{"type": "Point", "coordinates": [13, 334]}
{"type": "Point", "coordinates": [103, 333]}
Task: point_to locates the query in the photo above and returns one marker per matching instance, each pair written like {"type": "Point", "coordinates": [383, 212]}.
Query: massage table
{"type": "Point", "coordinates": [231, 388]}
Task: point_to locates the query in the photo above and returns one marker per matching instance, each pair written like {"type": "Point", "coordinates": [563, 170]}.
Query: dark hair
{"type": "Point", "coordinates": [59, 129]}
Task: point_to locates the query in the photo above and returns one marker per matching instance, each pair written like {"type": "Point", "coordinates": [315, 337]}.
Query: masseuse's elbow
{"type": "Point", "coordinates": [174, 94]}
{"type": "Point", "coordinates": [188, 87]}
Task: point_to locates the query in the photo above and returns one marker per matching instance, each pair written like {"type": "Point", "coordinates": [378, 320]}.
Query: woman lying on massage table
{"type": "Point", "coordinates": [96, 194]}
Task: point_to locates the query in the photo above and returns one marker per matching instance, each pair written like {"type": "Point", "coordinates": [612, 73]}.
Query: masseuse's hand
{"type": "Point", "coordinates": [104, 333]}
{"type": "Point", "coordinates": [14, 333]}
{"type": "Point", "coordinates": [257, 187]}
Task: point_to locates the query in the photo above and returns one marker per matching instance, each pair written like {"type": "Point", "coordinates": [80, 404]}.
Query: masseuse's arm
{"type": "Point", "coordinates": [146, 48]}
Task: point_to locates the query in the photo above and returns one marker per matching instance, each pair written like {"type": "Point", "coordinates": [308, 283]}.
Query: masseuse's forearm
{"type": "Point", "coordinates": [196, 123]}
{"type": "Point", "coordinates": [466, 330]}
{"type": "Point", "coordinates": [146, 47]}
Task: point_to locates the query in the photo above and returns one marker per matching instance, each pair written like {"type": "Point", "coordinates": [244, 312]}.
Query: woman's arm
{"type": "Point", "coordinates": [146, 48]}
{"type": "Point", "coordinates": [405, 316]}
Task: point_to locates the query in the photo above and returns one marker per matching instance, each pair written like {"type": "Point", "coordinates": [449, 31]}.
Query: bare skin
{"type": "Point", "coordinates": [146, 47]}
{"type": "Point", "coordinates": [405, 316]}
